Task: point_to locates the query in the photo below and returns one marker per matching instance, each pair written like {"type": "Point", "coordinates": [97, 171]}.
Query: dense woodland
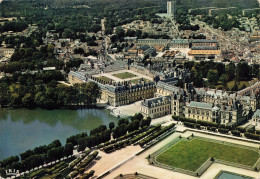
{"type": "Point", "coordinates": [219, 75]}
{"type": "Point", "coordinates": [42, 90]}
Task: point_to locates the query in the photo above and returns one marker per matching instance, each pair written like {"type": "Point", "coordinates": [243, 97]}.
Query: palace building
{"type": "Point", "coordinates": [122, 93]}
{"type": "Point", "coordinates": [156, 107]}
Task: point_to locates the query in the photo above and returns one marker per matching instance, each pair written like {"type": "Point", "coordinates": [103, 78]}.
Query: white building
{"type": "Point", "coordinates": [171, 7]}
{"type": "Point", "coordinates": [256, 119]}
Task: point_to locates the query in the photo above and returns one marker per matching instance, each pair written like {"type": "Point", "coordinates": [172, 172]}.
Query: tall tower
{"type": "Point", "coordinates": [171, 7]}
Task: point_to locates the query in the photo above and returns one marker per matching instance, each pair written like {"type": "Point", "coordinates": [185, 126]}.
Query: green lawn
{"type": "Point", "coordinates": [190, 155]}
{"type": "Point", "coordinates": [124, 75]}
{"type": "Point", "coordinates": [240, 85]}
{"type": "Point", "coordinates": [104, 78]}
{"type": "Point", "coordinates": [230, 85]}
{"type": "Point", "coordinates": [136, 80]}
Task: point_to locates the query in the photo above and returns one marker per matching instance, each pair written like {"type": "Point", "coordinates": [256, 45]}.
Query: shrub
{"type": "Point", "coordinates": [197, 126]}
{"type": "Point", "coordinates": [81, 170]}
{"type": "Point", "coordinates": [223, 130]}
{"type": "Point", "coordinates": [235, 132]}
{"type": "Point", "coordinates": [184, 119]}
{"type": "Point", "coordinates": [241, 129]}
{"type": "Point", "coordinates": [189, 124]}
{"type": "Point", "coordinates": [207, 123]}
{"type": "Point", "coordinates": [74, 174]}
{"type": "Point", "coordinates": [88, 175]}
{"type": "Point", "coordinates": [153, 136]}
{"type": "Point", "coordinates": [145, 134]}
{"type": "Point", "coordinates": [213, 129]}
{"type": "Point", "coordinates": [252, 136]}
{"type": "Point", "coordinates": [109, 149]}
{"type": "Point", "coordinates": [176, 118]}
{"type": "Point", "coordinates": [251, 131]}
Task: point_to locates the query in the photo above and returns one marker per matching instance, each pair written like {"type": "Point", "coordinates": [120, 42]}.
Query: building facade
{"type": "Point", "coordinates": [156, 107]}
{"type": "Point", "coordinates": [256, 119]}
{"type": "Point", "coordinates": [122, 93]}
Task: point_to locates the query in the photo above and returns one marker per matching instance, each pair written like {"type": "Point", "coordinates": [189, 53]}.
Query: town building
{"type": "Point", "coordinates": [179, 43]}
{"type": "Point", "coordinates": [152, 42]}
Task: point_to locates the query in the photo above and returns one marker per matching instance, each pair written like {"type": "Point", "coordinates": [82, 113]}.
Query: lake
{"type": "Point", "coordinates": [22, 129]}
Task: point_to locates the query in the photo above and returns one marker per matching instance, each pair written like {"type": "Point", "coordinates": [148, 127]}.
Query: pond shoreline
{"type": "Point", "coordinates": [22, 129]}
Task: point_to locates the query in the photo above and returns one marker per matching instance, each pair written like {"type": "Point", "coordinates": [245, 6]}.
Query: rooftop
{"type": "Point", "coordinates": [200, 105]}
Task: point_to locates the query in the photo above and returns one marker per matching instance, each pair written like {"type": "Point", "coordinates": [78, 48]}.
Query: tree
{"type": "Point", "coordinates": [55, 144]}
{"type": "Point", "coordinates": [26, 154]}
{"type": "Point", "coordinates": [224, 80]}
{"type": "Point", "coordinates": [212, 77]}
{"type": "Point", "coordinates": [111, 125]}
{"type": "Point", "coordinates": [235, 87]}
{"type": "Point", "coordinates": [82, 144]}
{"type": "Point", "coordinates": [28, 100]}
{"type": "Point", "coordinates": [68, 149]}
{"type": "Point", "coordinates": [55, 153]}
{"type": "Point", "coordinates": [137, 116]}
{"type": "Point", "coordinates": [242, 72]}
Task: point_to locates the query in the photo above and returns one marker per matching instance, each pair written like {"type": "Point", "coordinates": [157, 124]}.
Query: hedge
{"type": "Point", "coordinates": [252, 136]}
{"type": "Point", "coordinates": [145, 134]}
{"type": "Point", "coordinates": [213, 129]}
{"type": "Point", "coordinates": [116, 146]}
{"type": "Point", "coordinates": [189, 124]}
{"type": "Point", "coordinates": [223, 130]}
{"type": "Point", "coordinates": [197, 126]}
{"type": "Point", "coordinates": [207, 123]}
{"type": "Point", "coordinates": [74, 174]}
{"type": "Point", "coordinates": [251, 131]}
{"type": "Point", "coordinates": [66, 171]}
{"type": "Point", "coordinates": [184, 119]}
{"type": "Point", "coordinates": [88, 175]}
{"type": "Point", "coordinates": [176, 118]}
{"type": "Point", "coordinates": [81, 170]}
{"type": "Point", "coordinates": [88, 160]}
{"type": "Point", "coordinates": [153, 136]}
{"type": "Point", "coordinates": [241, 129]}
{"type": "Point", "coordinates": [38, 173]}
{"type": "Point", "coordinates": [235, 132]}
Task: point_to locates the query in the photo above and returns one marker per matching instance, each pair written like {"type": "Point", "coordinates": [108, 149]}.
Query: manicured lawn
{"type": "Point", "coordinates": [104, 78]}
{"type": "Point", "coordinates": [136, 80]}
{"type": "Point", "coordinates": [190, 155]}
{"type": "Point", "coordinates": [240, 85]}
{"type": "Point", "coordinates": [230, 85]}
{"type": "Point", "coordinates": [124, 75]}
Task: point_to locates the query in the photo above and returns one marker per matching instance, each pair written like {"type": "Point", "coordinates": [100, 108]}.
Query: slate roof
{"type": "Point", "coordinates": [204, 48]}
{"type": "Point", "coordinates": [78, 75]}
{"type": "Point", "coordinates": [200, 105]}
{"type": "Point", "coordinates": [257, 114]}
{"type": "Point", "coordinates": [204, 41]}
{"type": "Point", "coordinates": [155, 101]}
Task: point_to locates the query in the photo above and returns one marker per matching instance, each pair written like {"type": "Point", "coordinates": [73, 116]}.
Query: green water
{"type": "Point", "coordinates": [21, 129]}
{"type": "Point", "coordinates": [227, 175]}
